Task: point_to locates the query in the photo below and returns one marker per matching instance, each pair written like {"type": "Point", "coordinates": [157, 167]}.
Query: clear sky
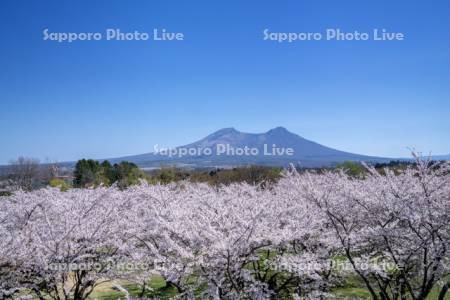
{"type": "Point", "coordinates": [100, 99]}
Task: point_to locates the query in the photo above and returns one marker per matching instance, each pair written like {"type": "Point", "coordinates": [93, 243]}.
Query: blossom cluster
{"type": "Point", "coordinates": [234, 242]}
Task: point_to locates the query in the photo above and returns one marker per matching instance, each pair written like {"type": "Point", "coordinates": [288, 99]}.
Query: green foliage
{"type": "Point", "coordinates": [60, 183]}
{"type": "Point", "coordinates": [107, 172]}
{"type": "Point", "coordinates": [166, 175]}
{"type": "Point", "coordinates": [250, 175]}
{"type": "Point", "coordinates": [353, 169]}
{"type": "Point", "coordinates": [397, 166]}
{"type": "Point", "coordinates": [90, 173]}
{"type": "Point", "coordinates": [125, 174]}
{"type": "Point", "coordinates": [5, 193]}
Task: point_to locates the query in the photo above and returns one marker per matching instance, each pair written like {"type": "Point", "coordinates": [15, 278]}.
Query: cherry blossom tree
{"type": "Point", "coordinates": [401, 219]}
{"type": "Point", "coordinates": [227, 240]}
{"type": "Point", "coordinates": [235, 242]}
{"type": "Point", "coordinates": [61, 245]}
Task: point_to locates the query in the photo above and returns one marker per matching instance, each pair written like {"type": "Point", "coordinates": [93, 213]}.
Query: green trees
{"type": "Point", "coordinates": [124, 174]}
{"type": "Point", "coordinates": [91, 173]}
{"type": "Point", "coordinates": [352, 168]}
{"type": "Point", "coordinates": [250, 174]}
{"type": "Point", "coordinates": [59, 183]}
{"type": "Point", "coordinates": [88, 173]}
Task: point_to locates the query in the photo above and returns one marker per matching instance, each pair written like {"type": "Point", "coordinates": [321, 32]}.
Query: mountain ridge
{"type": "Point", "coordinates": [305, 152]}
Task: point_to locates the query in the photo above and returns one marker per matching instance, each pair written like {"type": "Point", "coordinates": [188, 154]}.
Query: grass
{"type": "Point", "coordinates": [157, 283]}
{"type": "Point", "coordinates": [353, 288]}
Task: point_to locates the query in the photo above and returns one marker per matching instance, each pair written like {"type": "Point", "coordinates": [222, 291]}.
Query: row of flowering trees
{"type": "Point", "coordinates": [391, 231]}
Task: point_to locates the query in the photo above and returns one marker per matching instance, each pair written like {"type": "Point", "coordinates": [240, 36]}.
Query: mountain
{"type": "Point", "coordinates": [441, 157]}
{"type": "Point", "coordinates": [230, 147]}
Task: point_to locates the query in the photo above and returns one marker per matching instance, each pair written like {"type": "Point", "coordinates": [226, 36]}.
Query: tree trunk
{"type": "Point", "coordinates": [444, 291]}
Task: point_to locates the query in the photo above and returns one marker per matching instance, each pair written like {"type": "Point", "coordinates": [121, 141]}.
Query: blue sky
{"type": "Point", "coordinates": [100, 99]}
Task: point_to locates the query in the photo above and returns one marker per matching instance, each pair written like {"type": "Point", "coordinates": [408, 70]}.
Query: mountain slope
{"type": "Point", "coordinates": [441, 157]}
{"type": "Point", "coordinates": [269, 148]}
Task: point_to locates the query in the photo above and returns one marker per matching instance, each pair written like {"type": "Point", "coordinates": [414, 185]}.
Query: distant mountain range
{"type": "Point", "coordinates": [276, 147]}
{"type": "Point", "coordinates": [441, 157]}
{"type": "Point", "coordinates": [230, 147]}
